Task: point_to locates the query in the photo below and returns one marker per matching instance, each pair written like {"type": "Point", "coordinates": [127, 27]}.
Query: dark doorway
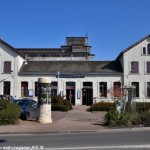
{"type": "Point", "coordinates": [70, 92]}
{"type": "Point", "coordinates": [6, 90]}
{"type": "Point", "coordinates": [87, 93]}
{"type": "Point", "coordinates": [24, 89]}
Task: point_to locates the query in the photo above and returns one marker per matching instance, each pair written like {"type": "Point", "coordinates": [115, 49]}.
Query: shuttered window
{"type": "Point", "coordinates": [134, 67]}
{"type": "Point", "coordinates": [7, 66]}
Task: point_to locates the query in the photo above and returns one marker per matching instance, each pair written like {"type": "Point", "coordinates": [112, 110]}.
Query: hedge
{"type": "Point", "coordinates": [56, 107]}
{"type": "Point", "coordinates": [9, 113]}
{"type": "Point", "coordinates": [102, 106]}
{"type": "Point", "coordinates": [142, 106]}
{"type": "Point", "coordinates": [60, 104]}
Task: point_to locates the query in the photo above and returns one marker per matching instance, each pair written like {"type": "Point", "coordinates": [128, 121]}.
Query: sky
{"type": "Point", "coordinates": [111, 25]}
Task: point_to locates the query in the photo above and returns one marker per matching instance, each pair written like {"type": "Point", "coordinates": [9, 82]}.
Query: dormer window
{"type": "Point", "coordinates": [134, 67]}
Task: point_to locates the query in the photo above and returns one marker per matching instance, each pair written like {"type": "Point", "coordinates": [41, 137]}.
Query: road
{"type": "Point", "coordinates": [128, 139]}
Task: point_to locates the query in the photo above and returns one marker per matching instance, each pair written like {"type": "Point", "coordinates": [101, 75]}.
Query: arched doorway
{"type": "Point", "coordinates": [70, 92]}
{"type": "Point", "coordinates": [87, 93]}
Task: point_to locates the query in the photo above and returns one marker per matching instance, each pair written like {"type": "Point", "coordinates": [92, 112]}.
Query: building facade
{"type": "Point", "coordinates": [73, 71]}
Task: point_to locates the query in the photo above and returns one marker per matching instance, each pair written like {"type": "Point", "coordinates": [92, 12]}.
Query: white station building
{"type": "Point", "coordinates": [73, 72]}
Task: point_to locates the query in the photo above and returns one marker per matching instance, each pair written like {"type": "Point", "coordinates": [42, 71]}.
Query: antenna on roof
{"type": "Point", "coordinates": [0, 35]}
{"type": "Point", "coordinates": [86, 35]}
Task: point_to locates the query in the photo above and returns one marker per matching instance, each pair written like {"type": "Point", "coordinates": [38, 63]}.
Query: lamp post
{"type": "Point", "coordinates": [58, 74]}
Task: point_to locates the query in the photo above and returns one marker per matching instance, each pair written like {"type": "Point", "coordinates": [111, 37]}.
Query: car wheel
{"type": "Point", "coordinates": [27, 116]}
{"type": "Point", "coordinates": [37, 118]}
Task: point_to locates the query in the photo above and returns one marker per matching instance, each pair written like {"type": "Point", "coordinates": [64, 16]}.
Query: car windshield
{"type": "Point", "coordinates": [2, 97]}
{"type": "Point", "coordinates": [7, 97]}
{"type": "Point", "coordinates": [23, 102]}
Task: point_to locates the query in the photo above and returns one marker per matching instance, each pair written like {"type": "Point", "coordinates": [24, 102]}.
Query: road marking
{"type": "Point", "coordinates": [102, 147]}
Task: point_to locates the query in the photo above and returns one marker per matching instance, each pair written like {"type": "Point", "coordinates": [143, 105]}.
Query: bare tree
{"type": "Point", "coordinates": [116, 95]}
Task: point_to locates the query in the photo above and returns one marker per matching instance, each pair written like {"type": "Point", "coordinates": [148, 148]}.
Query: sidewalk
{"type": "Point", "coordinates": [75, 120]}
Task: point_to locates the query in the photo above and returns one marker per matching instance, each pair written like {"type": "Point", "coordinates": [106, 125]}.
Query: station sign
{"type": "Point", "coordinates": [70, 76]}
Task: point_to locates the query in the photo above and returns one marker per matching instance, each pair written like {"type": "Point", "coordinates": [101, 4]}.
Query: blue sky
{"type": "Point", "coordinates": [112, 25]}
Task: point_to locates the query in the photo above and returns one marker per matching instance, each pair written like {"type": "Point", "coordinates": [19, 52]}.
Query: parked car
{"type": "Point", "coordinates": [29, 108]}
{"type": "Point", "coordinates": [7, 97]}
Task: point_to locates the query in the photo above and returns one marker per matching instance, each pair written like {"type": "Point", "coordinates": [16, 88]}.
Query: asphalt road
{"type": "Point", "coordinates": [78, 141]}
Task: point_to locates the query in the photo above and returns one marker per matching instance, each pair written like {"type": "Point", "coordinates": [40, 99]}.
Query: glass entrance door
{"type": "Point", "coordinates": [70, 92]}
{"type": "Point", "coordinates": [87, 94]}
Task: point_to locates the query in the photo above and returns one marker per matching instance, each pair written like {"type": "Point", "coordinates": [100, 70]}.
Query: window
{"type": "Point", "coordinates": [36, 88]}
{"type": "Point", "coordinates": [148, 48]}
{"type": "Point", "coordinates": [148, 67]}
{"type": "Point", "coordinates": [7, 66]}
{"type": "Point", "coordinates": [76, 48]}
{"type": "Point", "coordinates": [6, 89]}
{"type": "Point", "coordinates": [103, 89]}
{"type": "Point", "coordinates": [144, 50]}
{"type": "Point", "coordinates": [24, 89]}
{"type": "Point", "coordinates": [53, 88]}
{"type": "Point", "coordinates": [117, 85]}
{"type": "Point", "coordinates": [134, 67]}
{"type": "Point", "coordinates": [136, 90]}
{"type": "Point", "coordinates": [148, 89]}
{"type": "Point", "coordinates": [117, 89]}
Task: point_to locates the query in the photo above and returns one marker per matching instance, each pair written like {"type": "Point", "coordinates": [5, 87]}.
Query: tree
{"type": "Point", "coordinates": [116, 95]}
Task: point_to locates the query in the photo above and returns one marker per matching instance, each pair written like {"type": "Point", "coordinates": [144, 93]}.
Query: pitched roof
{"type": "Point", "coordinates": [8, 45]}
{"type": "Point", "coordinates": [71, 67]}
{"type": "Point", "coordinates": [131, 46]}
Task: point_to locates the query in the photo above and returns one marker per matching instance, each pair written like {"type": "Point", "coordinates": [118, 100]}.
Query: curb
{"type": "Point", "coordinates": [83, 131]}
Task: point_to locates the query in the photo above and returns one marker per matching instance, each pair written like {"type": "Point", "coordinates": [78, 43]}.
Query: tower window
{"type": "Point", "coordinates": [148, 48]}
{"type": "Point", "coordinates": [144, 50]}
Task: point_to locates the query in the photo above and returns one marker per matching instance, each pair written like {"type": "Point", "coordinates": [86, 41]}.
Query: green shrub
{"type": "Point", "coordinates": [112, 115]}
{"type": "Point", "coordinates": [114, 119]}
{"type": "Point", "coordinates": [3, 104]}
{"type": "Point", "coordinates": [67, 103]}
{"type": "Point", "coordinates": [145, 119]}
{"type": "Point", "coordinates": [56, 107]}
{"type": "Point", "coordinates": [57, 100]}
{"type": "Point", "coordinates": [60, 104]}
{"type": "Point", "coordinates": [102, 106]}
{"type": "Point", "coordinates": [129, 119]}
{"type": "Point", "coordinates": [9, 114]}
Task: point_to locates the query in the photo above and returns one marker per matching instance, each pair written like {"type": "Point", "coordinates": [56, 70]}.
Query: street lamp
{"type": "Point", "coordinates": [58, 74]}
